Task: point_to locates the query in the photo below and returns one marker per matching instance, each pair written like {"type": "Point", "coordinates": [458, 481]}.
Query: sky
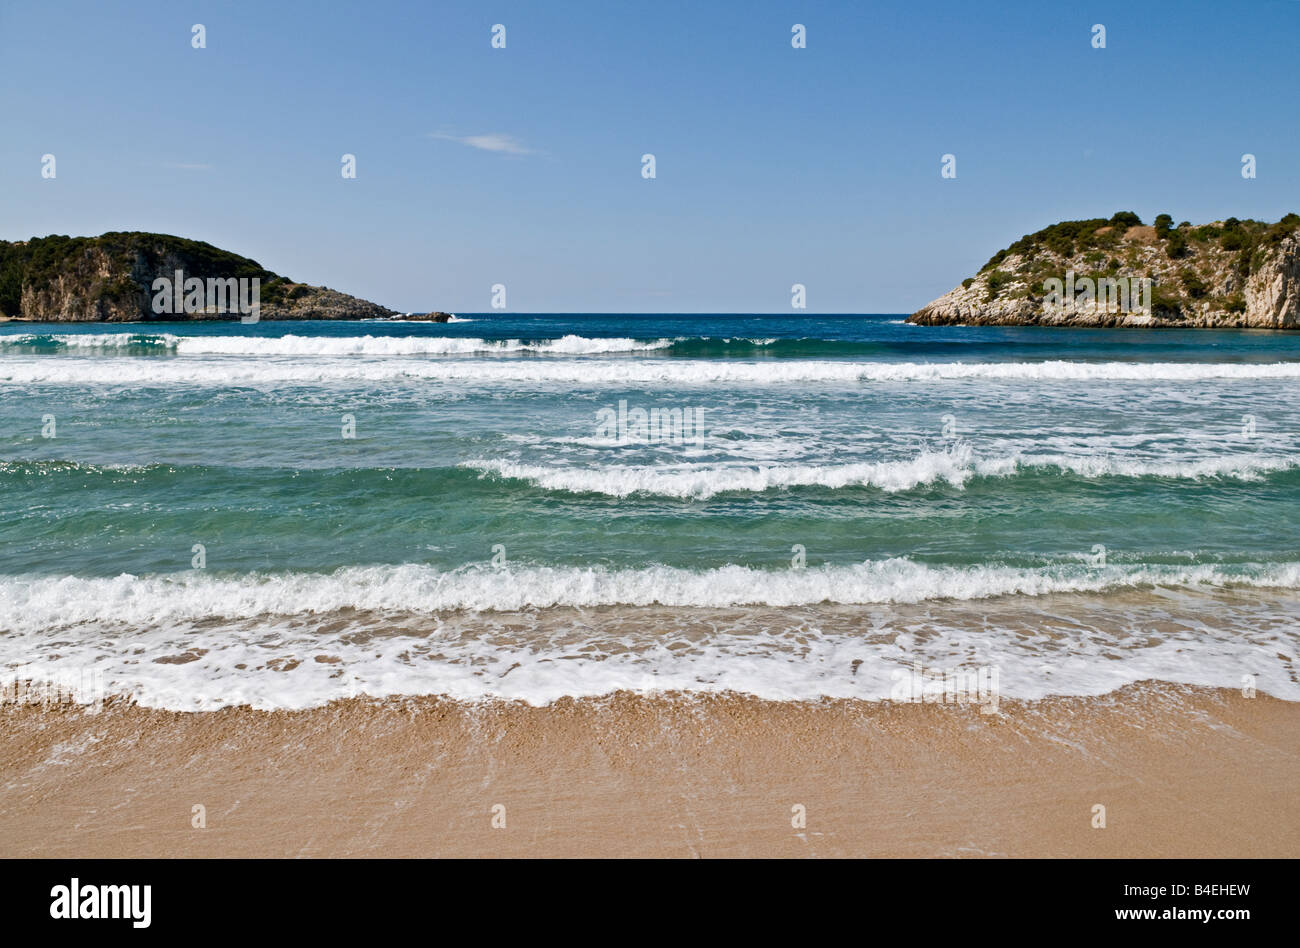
{"type": "Point", "coordinates": [522, 165]}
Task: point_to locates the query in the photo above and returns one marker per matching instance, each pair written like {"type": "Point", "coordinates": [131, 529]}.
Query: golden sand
{"type": "Point", "coordinates": [1179, 771]}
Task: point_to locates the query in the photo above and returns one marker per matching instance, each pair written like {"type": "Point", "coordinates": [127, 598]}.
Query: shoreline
{"type": "Point", "coordinates": [1181, 771]}
{"type": "Point", "coordinates": [1124, 327]}
{"type": "Point", "coordinates": [907, 318]}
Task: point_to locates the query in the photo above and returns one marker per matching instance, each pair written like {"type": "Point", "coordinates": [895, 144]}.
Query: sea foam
{"type": "Point", "coordinates": [34, 603]}
{"type": "Point", "coordinates": [195, 641]}
{"type": "Point", "coordinates": [216, 370]}
{"type": "Point", "coordinates": [327, 346]}
{"type": "Point", "coordinates": [954, 467]}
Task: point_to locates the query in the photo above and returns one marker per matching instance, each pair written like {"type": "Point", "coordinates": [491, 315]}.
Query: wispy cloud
{"type": "Point", "coordinates": [501, 144]}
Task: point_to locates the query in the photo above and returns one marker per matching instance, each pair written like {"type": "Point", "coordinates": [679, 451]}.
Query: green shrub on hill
{"type": "Point", "coordinates": [996, 281]}
{"type": "Point", "coordinates": [1279, 231]}
{"type": "Point", "coordinates": [35, 264]}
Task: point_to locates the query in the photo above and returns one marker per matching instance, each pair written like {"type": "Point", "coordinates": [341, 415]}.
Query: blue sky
{"type": "Point", "coordinates": [522, 165]}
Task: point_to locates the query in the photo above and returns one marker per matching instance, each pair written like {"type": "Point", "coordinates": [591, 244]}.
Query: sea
{"type": "Point", "coordinates": [538, 507]}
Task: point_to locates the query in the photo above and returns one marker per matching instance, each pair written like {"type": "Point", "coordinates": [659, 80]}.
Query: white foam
{"type": "Point", "coordinates": [682, 372]}
{"type": "Point", "coordinates": [955, 467]}
{"type": "Point", "coordinates": [1246, 467]}
{"type": "Point", "coordinates": [253, 639]}
{"type": "Point", "coordinates": [42, 603]}
{"type": "Point", "coordinates": [292, 345]}
{"type": "Point", "coordinates": [89, 340]}
{"type": "Point", "coordinates": [704, 481]}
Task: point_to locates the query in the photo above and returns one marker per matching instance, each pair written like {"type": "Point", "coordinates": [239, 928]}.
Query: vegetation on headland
{"type": "Point", "coordinates": [110, 277]}
{"type": "Point", "coordinates": [1230, 272]}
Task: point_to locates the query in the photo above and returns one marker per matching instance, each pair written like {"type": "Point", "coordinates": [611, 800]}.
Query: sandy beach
{"type": "Point", "coordinates": [1181, 772]}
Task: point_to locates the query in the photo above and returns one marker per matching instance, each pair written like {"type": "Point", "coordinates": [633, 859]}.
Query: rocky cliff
{"type": "Point", "coordinates": [1226, 274]}
{"type": "Point", "coordinates": [111, 278]}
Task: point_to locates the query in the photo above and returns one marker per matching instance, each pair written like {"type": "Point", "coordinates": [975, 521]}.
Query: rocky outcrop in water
{"type": "Point", "coordinates": [1226, 274]}
{"type": "Point", "coordinates": [111, 278]}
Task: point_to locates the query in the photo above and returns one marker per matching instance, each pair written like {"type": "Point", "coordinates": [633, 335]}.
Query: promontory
{"type": "Point", "coordinates": [1119, 272]}
{"type": "Point", "coordinates": [117, 276]}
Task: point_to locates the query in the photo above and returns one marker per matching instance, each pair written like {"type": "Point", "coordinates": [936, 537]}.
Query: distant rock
{"type": "Point", "coordinates": [1226, 274]}
{"type": "Point", "coordinates": [110, 278]}
{"type": "Point", "coordinates": [428, 317]}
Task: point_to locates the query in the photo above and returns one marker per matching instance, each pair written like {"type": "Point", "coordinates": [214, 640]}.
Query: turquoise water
{"type": "Point", "coordinates": [345, 479]}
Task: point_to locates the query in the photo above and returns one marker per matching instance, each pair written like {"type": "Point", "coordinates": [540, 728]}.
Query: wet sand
{"type": "Point", "coordinates": [1181, 772]}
